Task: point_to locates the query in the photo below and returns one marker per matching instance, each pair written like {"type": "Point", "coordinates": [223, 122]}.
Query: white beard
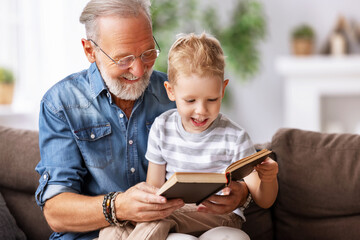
{"type": "Point", "coordinates": [126, 91]}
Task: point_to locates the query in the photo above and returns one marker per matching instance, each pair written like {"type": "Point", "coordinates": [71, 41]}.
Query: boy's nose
{"type": "Point", "coordinates": [201, 108]}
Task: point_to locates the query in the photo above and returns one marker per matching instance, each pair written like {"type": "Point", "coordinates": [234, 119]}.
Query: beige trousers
{"type": "Point", "coordinates": [218, 233]}
{"type": "Point", "coordinates": [184, 220]}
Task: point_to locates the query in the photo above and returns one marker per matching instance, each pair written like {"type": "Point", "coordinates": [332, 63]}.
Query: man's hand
{"type": "Point", "coordinates": [234, 196]}
{"type": "Point", "coordinates": [140, 204]}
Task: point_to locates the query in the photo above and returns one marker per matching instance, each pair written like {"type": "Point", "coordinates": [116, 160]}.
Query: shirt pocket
{"type": "Point", "coordinates": [95, 144]}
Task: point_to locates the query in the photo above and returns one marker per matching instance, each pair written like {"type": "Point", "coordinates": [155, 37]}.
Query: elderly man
{"type": "Point", "coordinates": [94, 127]}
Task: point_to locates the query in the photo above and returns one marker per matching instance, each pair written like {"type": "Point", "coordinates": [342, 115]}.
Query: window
{"type": "Point", "coordinates": [41, 42]}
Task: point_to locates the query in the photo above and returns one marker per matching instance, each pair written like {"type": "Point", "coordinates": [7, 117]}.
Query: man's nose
{"type": "Point", "coordinates": [138, 67]}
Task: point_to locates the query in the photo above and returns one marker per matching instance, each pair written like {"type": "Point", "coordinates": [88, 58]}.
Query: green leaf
{"type": "Point", "coordinates": [239, 39]}
{"type": "Point", "coordinates": [6, 76]}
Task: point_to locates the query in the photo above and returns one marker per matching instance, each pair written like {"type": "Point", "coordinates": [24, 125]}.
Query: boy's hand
{"type": "Point", "coordinates": [267, 170]}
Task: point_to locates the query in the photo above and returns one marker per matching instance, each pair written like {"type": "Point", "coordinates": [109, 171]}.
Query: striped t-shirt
{"type": "Point", "coordinates": [209, 151]}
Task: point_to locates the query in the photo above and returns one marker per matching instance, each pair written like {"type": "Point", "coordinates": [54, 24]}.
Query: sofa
{"type": "Point", "coordinates": [319, 188]}
{"type": "Point", "coordinates": [20, 217]}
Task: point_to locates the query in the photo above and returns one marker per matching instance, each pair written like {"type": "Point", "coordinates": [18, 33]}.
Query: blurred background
{"type": "Point", "coordinates": [290, 63]}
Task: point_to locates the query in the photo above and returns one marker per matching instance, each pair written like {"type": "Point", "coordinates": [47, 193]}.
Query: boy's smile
{"type": "Point", "coordinates": [199, 123]}
{"type": "Point", "coordinates": [198, 100]}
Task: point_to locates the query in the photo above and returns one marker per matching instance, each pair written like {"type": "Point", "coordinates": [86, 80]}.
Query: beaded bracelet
{"type": "Point", "coordinates": [107, 207]}
{"type": "Point", "coordinates": [113, 213]}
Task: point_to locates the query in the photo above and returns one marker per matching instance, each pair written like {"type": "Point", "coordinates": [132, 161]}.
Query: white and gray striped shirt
{"type": "Point", "coordinates": [210, 151]}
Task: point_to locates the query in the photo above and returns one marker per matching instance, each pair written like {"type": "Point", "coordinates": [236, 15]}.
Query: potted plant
{"type": "Point", "coordinates": [6, 86]}
{"type": "Point", "coordinates": [303, 40]}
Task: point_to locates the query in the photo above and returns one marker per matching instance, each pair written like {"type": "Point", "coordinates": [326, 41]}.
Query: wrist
{"type": "Point", "coordinates": [247, 202]}
{"type": "Point", "coordinates": [246, 197]}
{"type": "Point", "coordinates": [109, 209]}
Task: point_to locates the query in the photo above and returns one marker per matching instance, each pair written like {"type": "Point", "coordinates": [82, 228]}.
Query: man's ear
{"type": "Point", "coordinates": [226, 81]}
{"type": "Point", "coordinates": [169, 90]}
{"type": "Point", "coordinates": [88, 50]}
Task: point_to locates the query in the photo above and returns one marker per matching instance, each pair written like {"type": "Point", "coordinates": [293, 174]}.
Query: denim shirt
{"type": "Point", "coordinates": [87, 144]}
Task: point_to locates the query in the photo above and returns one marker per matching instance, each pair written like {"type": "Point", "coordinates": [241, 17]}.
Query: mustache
{"type": "Point", "coordinates": [132, 77]}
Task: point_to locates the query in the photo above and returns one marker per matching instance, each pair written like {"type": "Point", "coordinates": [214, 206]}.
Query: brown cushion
{"type": "Point", "coordinates": [319, 185]}
{"type": "Point", "coordinates": [258, 225]}
{"type": "Point", "coordinates": [27, 214]}
{"type": "Point", "coordinates": [19, 154]}
{"type": "Point", "coordinates": [8, 227]}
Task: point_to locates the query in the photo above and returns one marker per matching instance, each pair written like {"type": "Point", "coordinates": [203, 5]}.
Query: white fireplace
{"type": "Point", "coordinates": [321, 93]}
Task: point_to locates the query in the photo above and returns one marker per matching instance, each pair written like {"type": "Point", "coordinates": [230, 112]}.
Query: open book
{"type": "Point", "coordinates": [195, 187]}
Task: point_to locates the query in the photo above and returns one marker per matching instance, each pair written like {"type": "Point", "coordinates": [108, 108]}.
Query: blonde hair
{"type": "Point", "coordinates": [196, 54]}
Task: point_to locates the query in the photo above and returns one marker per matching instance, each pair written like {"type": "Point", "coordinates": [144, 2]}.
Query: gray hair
{"type": "Point", "coordinates": [99, 8]}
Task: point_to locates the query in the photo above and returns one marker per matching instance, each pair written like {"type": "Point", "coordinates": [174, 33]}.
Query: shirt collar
{"type": "Point", "coordinates": [97, 83]}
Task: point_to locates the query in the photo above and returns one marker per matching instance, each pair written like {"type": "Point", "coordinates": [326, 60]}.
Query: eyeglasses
{"type": "Point", "coordinates": [126, 62]}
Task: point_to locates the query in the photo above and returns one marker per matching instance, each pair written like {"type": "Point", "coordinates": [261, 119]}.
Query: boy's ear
{"type": "Point", "coordinates": [169, 90]}
{"type": "Point", "coordinates": [226, 81]}
{"type": "Point", "coordinates": [88, 50]}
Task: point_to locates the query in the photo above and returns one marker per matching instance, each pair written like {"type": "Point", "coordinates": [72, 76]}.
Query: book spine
{"type": "Point", "coordinates": [228, 178]}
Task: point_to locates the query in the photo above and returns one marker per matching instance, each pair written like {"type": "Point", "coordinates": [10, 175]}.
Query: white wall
{"type": "Point", "coordinates": [258, 104]}
{"type": "Point", "coordinates": [41, 44]}
{"type": "Point", "coordinates": [55, 51]}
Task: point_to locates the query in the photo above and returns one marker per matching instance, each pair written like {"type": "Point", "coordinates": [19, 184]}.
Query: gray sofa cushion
{"type": "Point", "coordinates": [8, 228]}
{"type": "Point", "coordinates": [319, 185]}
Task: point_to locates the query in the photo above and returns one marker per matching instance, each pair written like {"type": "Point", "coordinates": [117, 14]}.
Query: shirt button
{"type": "Point", "coordinates": [92, 136]}
{"type": "Point", "coordinates": [108, 95]}
{"type": "Point", "coordinates": [121, 115]}
{"type": "Point", "coordinates": [132, 170]}
{"type": "Point", "coordinates": [45, 177]}
{"type": "Point", "coordinates": [131, 142]}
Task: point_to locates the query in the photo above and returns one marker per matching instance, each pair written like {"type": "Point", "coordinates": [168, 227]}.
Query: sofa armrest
{"type": "Point", "coordinates": [318, 185]}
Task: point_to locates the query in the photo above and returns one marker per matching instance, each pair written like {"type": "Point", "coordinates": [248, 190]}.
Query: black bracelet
{"type": "Point", "coordinates": [107, 207]}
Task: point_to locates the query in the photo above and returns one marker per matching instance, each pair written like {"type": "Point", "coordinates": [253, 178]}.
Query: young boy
{"type": "Point", "coordinates": [196, 137]}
